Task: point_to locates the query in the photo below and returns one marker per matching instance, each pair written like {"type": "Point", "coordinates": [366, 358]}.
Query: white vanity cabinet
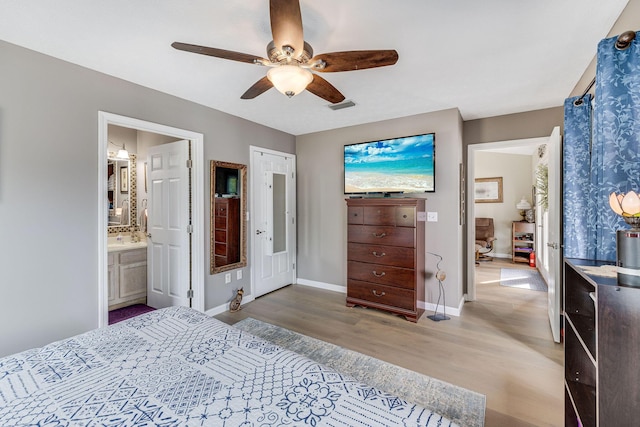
{"type": "Point", "coordinates": [127, 277]}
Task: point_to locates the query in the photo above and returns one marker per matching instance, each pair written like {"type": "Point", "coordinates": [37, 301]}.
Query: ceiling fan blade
{"type": "Point", "coordinates": [258, 88]}
{"type": "Point", "coordinates": [219, 53]}
{"type": "Point", "coordinates": [286, 25]}
{"type": "Point", "coordinates": [353, 60]}
{"type": "Point", "coordinates": [325, 90]}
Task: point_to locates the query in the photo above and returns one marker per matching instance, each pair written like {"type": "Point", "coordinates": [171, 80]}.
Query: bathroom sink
{"type": "Point", "coordinates": [116, 246]}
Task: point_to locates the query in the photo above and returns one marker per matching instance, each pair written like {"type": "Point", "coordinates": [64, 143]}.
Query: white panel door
{"type": "Point", "coordinates": [553, 237]}
{"type": "Point", "coordinates": [273, 227]}
{"type": "Point", "coordinates": [168, 222]}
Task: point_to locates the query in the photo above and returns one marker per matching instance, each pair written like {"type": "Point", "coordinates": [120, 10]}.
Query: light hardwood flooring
{"type": "Point", "coordinates": [500, 346]}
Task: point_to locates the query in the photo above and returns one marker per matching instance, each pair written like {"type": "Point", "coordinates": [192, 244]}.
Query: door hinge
{"type": "Point", "coordinates": [189, 163]}
{"type": "Point", "coordinates": [190, 293]}
{"type": "Point", "coordinates": [190, 228]}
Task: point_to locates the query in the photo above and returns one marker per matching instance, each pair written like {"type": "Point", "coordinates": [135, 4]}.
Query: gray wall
{"type": "Point", "coordinates": [530, 124]}
{"type": "Point", "coordinates": [48, 207]}
{"type": "Point", "coordinates": [322, 209]}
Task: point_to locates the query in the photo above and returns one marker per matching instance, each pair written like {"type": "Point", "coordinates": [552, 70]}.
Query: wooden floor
{"type": "Point", "coordinates": [501, 345]}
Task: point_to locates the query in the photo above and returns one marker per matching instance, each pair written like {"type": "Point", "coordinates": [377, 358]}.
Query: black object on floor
{"type": "Point", "coordinates": [125, 313]}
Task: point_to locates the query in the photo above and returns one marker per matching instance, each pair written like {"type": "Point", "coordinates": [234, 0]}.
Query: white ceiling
{"type": "Point", "coordinates": [486, 58]}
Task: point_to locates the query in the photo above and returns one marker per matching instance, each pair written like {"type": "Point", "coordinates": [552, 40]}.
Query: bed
{"type": "Point", "coordinates": [179, 367]}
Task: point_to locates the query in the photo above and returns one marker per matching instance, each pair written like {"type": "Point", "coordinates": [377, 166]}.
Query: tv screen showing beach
{"type": "Point", "coordinates": [400, 165]}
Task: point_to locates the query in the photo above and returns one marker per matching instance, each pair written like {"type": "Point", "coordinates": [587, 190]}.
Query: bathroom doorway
{"type": "Point", "coordinates": [153, 134]}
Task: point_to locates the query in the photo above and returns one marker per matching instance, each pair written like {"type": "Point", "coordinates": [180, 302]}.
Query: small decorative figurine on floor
{"type": "Point", "coordinates": [234, 305]}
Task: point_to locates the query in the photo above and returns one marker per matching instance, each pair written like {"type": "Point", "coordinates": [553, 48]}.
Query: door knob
{"type": "Point", "coordinates": [259, 231]}
{"type": "Point", "coordinates": [553, 245]}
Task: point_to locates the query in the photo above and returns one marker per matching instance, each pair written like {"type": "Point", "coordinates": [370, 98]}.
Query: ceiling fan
{"type": "Point", "coordinates": [291, 59]}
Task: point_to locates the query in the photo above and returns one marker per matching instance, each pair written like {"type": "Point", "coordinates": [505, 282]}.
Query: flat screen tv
{"type": "Point", "coordinates": [398, 165]}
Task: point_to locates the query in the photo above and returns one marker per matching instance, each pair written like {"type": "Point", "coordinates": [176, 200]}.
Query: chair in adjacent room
{"type": "Point", "coordinates": [484, 238]}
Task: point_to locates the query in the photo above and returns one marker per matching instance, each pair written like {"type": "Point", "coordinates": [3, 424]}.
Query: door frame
{"type": "Point", "coordinates": [198, 194]}
{"type": "Point", "coordinates": [471, 225]}
{"type": "Point", "coordinates": [252, 150]}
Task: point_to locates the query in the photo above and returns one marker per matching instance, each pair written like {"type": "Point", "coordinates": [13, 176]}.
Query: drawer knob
{"type": "Point", "coordinates": [378, 275]}
{"type": "Point", "coordinates": [377, 255]}
{"type": "Point", "coordinates": [379, 236]}
{"type": "Point", "coordinates": [404, 216]}
{"type": "Point", "coordinates": [381, 294]}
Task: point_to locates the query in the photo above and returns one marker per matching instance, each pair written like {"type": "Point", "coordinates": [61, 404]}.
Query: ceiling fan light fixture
{"type": "Point", "coordinates": [290, 80]}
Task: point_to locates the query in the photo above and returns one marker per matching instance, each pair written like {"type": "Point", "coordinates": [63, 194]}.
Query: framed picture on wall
{"type": "Point", "coordinates": [124, 179]}
{"type": "Point", "coordinates": [488, 190]}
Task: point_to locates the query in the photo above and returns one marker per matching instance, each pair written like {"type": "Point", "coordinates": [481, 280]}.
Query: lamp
{"type": "Point", "coordinates": [290, 80]}
{"type": "Point", "coordinates": [627, 241]}
{"type": "Point", "coordinates": [523, 205]}
{"type": "Point", "coordinates": [122, 152]}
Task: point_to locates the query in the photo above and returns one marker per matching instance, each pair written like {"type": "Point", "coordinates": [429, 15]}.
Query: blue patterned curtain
{"type": "Point", "coordinates": [578, 217]}
{"type": "Point", "coordinates": [615, 161]}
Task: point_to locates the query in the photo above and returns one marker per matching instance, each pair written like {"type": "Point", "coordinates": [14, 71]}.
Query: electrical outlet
{"type": "Point", "coordinates": [239, 274]}
{"type": "Point", "coordinates": [227, 278]}
{"type": "Point", "coordinates": [432, 216]}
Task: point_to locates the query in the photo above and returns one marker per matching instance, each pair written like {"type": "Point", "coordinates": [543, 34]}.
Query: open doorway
{"type": "Point", "coordinates": [194, 251]}
{"type": "Point", "coordinates": [546, 229]}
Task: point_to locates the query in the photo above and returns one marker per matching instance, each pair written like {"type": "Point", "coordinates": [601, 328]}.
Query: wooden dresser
{"type": "Point", "coordinates": [386, 255]}
{"type": "Point", "coordinates": [227, 230]}
{"type": "Point", "coordinates": [601, 346]}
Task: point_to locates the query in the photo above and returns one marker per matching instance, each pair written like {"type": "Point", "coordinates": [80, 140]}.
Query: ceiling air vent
{"type": "Point", "coordinates": [345, 104]}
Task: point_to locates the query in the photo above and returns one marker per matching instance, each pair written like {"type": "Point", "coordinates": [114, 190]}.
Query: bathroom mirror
{"type": "Point", "coordinates": [228, 213]}
{"type": "Point", "coordinates": [121, 194]}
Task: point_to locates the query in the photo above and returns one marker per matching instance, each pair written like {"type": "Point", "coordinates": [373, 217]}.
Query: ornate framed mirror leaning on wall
{"type": "Point", "coordinates": [228, 213]}
{"type": "Point", "coordinates": [121, 194]}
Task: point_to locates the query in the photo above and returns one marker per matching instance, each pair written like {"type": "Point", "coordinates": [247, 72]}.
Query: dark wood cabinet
{"type": "Point", "coordinates": [386, 255]}
{"type": "Point", "coordinates": [227, 231]}
{"type": "Point", "coordinates": [602, 343]}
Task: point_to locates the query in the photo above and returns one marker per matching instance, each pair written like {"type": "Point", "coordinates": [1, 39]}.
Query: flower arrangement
{"type": "Point", "coordinates": [627, 206]}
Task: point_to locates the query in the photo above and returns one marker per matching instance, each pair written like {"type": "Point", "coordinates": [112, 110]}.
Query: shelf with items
{"type": "Point", "coordinates": [522, 240]}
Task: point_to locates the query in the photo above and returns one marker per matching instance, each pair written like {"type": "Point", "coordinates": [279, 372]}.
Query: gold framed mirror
{"type": "Point", "coordinates": [121, 194]}
{"type": "Point", "coordinates": [228, 216]}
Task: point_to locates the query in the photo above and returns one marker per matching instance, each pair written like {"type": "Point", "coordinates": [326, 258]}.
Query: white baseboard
{"type": "Point", "coordinates": [450, 311]}
{"type": "Point", "coordinates": [225, 307]}
{"type": "Point", "coordinates": [321, 285]}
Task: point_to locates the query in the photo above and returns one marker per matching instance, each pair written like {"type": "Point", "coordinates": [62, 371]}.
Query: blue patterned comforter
{"type": "Point", "coordinates": [179, 367]}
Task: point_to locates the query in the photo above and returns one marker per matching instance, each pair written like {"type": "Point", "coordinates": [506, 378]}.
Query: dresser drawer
{"type": "Point", "coordinates": [133, 256]}
{"type": "Point", "coordinates": [221, 209]}
{"type": "Point", "coordinates": [380, 215]}
{"type": "Point", "coordinates": [221, 222]}
{"type": "Point", "coordinates": [381, 294]}
{"type": "Point", "coordinates": [380, 235]}
{"type": "Point", "coordinates": [406, 216]}
{"type": "Point", "coordinates": [355, 215]}
{"type": "Point", "coordinates": [396, 256]}
{"type": "Point", "coordinates": [384, 274]}
{"type": "Point", "coordinates": [220, 249]}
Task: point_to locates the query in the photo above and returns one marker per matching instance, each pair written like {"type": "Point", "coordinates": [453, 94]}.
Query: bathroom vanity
{"type": "Point", "coordinates": [127, 274]}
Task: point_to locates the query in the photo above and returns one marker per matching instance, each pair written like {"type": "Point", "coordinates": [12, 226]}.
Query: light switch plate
{"type": "Point", "coordinates": [422, 216]}
{"type": "Point", "coordinates": [432, 216]}
{"type": "Point", "coordinates": [239, 274]}
{"type": "Point", "coordinates": [227, 278]}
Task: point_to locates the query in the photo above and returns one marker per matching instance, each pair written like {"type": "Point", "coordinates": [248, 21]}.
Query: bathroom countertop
{"type": "Point", "coordinates": [125, 246]}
